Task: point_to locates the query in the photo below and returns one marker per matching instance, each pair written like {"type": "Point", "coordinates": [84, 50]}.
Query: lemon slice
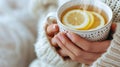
{"type": "Point", "coordinates": [76, 19]}
{"type": "Point", "coordinates": [98, 21]}
{"type": "Point", "coordinates": [91, 22]}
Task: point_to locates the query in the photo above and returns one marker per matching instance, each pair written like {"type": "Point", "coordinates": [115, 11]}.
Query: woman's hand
{"type": "Point", "coordinates": [75, 47]}
{"type": "Point", "coordinates": [79, 49]}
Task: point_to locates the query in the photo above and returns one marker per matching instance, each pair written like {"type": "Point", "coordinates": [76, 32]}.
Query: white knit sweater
{"type": "Point", "coordinates": [48, 57]}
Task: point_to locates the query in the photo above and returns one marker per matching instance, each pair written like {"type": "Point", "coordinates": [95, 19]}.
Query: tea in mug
{"type": "Point", "coordinates": [81, 18]}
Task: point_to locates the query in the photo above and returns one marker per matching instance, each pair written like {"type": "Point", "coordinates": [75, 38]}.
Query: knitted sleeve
{"type": "Point", "coordinates": [112, 57]}
{"type": "Point", "coordinates": [47, 53]}
{"type": "Point", "coordinates": [115, 6]}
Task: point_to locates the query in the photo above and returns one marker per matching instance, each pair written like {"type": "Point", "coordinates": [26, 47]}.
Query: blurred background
{"type": "Point", "coordinates": [18, 31]}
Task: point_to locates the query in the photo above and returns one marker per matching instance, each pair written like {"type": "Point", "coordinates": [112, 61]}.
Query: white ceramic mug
{"type": "Point", "coordinates": [92, 35]}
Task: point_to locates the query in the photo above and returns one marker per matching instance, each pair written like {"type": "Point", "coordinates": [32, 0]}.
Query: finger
{"type": "Point", "coordinates": [87, 45]}
{"type": "Point", "coordinates": [77, 40]}
{"type": "Point", "coordinates": [90, 56]}
{"type": "Point", "coordinates": [53, 42]}
{"type": "Point", "coordinates": [60, 44]}
{"type": "Point", "coordinates": [100, 47]}
{"type": "Point", "coordinates": [68, 44]}
{"type": "Point", "coordinates": [82, 55]}
{"type": "Point", "coordinates": [71, 55]}
{"type": "Point", "coordinates": [113, 27]}
{"type": "Point", "coordinates": [62, 53]}
{"type": "Point", "coordinates": [52, 29]}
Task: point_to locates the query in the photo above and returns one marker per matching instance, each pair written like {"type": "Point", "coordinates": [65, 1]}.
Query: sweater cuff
{"type": "Point", "coordinates": [112, 57]}
{"type": "Point", "coordinates": [46, 52]}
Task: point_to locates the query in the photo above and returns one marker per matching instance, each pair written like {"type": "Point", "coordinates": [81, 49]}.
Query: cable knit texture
{"type": "Point", "coordinates": [112, 57]}
{"type": "Point", "coordinates": [48, 57]}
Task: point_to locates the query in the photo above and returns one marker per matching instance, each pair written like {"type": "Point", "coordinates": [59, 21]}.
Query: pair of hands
{"type": "Point", "coordinates": [72, 46]}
